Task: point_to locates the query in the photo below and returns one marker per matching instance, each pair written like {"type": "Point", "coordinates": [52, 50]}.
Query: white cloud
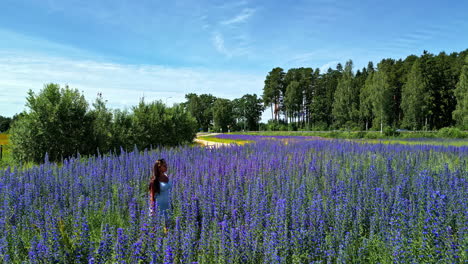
{"type": "Point", "coordinates": [121, 84]}
{"type": "Point", "coordinates": [240, 18]}
{"type": "Point", "coordinates": [218, 42]}
{"type": "Point", "coordinates": [331, 64]}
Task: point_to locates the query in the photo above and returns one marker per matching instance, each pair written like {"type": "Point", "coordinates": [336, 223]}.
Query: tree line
{"type": "Point", "coordinates": [425, 92]}
{"type": "Point", "coordinates": [223, 115]}
{"type": "Point", "coordinates": [60, 122]}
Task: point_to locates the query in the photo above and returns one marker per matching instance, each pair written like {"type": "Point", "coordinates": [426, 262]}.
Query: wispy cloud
{"type": "Point", "coordinates": [230, 37]}
{"type": "Point", "coordinates": [304, 58]}
{"type": "Point", "coordinates": [218, 42]}
{"type": "Point", "coordinates": [121, 84]}
{"type": "Point", "coordinates": [240, 18]}
{"type": "Point", "coordinates": [331, 64]}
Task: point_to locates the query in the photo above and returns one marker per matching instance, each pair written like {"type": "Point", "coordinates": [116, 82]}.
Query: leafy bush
{"type": "Point", "coordinates": [279, 125]}
{"type": "Point", "coordinates": [451, 132]}
{"type": "Point", "coordinates": [59, 123]}
{"type": "Point", "coordinates": [5, 123]}
{"type": "Point", "coordinates": [320, 126]}
{"type": "Point", "coordinates": [418, 135]}
{"type": "Point", "coordinates": [373, 135]}
{"type": "Point", "coordinates": [292, 127]}
{"type": "Point", "coordinates": [262, 127]}
{"type": "Point", "coordinates": [390, 132]}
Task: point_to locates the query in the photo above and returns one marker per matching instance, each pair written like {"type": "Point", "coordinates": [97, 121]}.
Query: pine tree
{"type": "Point", "coordinates": [274, 90]}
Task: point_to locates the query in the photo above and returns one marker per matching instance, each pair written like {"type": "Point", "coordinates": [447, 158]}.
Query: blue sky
{"type": "Point", "coordinates": [163, 50]}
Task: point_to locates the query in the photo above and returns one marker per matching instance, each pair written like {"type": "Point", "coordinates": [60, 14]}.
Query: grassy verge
{"type": "Point", "coordinates": [355, 135]}
{"type": "Point", "coordinates": [456, 143]}
{"type": "Point", "coordinates": [410, 138]}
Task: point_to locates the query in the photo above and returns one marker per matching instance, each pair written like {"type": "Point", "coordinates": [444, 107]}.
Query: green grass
{"type": "Point", "coordinates": [354, 134]}
{"type": "Point", "coordinates": [456, 143]}
{"type": "Point", "coordinates": [325, 134]}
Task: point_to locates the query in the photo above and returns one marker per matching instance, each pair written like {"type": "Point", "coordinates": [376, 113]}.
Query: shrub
{"type": "Point", "coordinates": [278, 125]}
{"type": "Point", "coordinates": [390, 132]}
{"type": "Point", "coordinates": [292, 127]}
{"type": "Point", "coordinates": [320, 126]}
{"type": "Point", "coordinates": [56, 123]}
{"type": "Point", "coordinates": [451, 132]}
{"type": "Point", "coordinates": [373, 135]}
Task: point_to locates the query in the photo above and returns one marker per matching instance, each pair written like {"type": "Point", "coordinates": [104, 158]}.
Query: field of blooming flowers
{"type": "Point", "coordinates": [279, 200]}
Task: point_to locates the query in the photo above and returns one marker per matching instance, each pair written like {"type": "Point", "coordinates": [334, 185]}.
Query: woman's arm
{"type": "Point", "coordinates": [151, 193]}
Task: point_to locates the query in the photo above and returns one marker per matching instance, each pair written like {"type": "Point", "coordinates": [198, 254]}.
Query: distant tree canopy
{"type": "Point", "coordinates": [201, 107]}
{"type": "Point", "coordinates": [426, 92]}
{"type": "Point", "coordinates": [247, 111]}
{"type": "Point", "coordinates": [5, 123]}
{"type": "Point", "coordinates": [461, 93]}
{"type": "Point", "coordinates": [60, 123]}
{"type": "Point", "coordinates": [224, 114]}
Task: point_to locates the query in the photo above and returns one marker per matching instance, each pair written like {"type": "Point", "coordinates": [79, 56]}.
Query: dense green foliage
{"type": "Point", "coordinates": [461, 93]}
{"type": "Point", "coordinates": [444, 133]}
{"type": "Point", "coordinates": [419, 93]}
{"type": "Point", "coordinates": [5, 123]}
{"type": "Point", "coordinates": [273, 90]}
{"type": "Point", "coordinates": [57, 123]}
{"type": "Point", "coordinates": [223, 114]}
{"type": "Point", "coordinates": [60, 123]}
{"type": "Point", "coordinates": [247, 111]}
{"type": "Point", "coordinates": [201, 107]}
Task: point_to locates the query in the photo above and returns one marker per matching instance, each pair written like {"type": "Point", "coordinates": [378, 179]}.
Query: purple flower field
{"type": "Point", "coordinates": [308, 201]}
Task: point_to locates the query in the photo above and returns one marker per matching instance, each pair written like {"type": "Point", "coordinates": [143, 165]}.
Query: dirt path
{"type": "Point", "coordinates": [209, 144]}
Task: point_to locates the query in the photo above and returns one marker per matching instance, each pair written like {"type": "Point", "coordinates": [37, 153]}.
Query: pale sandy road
{"type": "Point", "coordinates": [209, 144]}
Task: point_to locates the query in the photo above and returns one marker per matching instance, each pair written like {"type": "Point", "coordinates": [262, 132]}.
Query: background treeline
{"type": "Point", "coordinates": [418, 93]}
{"type": "Point", "coordinates": [61, 123]}
{"type": "Point", "coordinates": [223, 115]}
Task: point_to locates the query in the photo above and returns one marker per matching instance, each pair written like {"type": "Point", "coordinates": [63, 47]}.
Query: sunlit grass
{"type": "Point", "coordinates": [447, 142]}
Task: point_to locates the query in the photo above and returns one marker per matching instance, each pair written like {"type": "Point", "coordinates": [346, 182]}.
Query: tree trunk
{"type": "Point", "coordinates": [271, 106]}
